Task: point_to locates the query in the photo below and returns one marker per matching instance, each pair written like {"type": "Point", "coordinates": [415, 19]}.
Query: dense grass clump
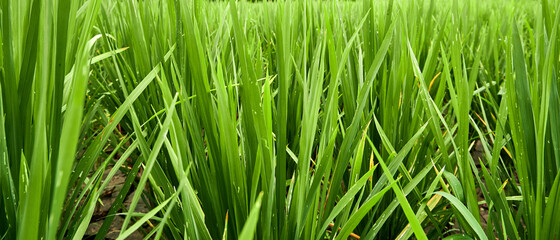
{"type": "Point", "coordinates": [424, 119]}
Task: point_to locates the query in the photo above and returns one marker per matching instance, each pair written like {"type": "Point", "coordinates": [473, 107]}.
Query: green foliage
{"type": "Point", "coordinates": [281, 120]}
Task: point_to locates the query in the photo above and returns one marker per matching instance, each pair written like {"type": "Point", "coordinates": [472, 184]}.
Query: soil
{"type": "Point", "coordinates": [108, 197]}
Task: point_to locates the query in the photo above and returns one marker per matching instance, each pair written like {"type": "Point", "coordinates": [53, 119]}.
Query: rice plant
{"type": "Point", "coordinates": [424, 119]}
